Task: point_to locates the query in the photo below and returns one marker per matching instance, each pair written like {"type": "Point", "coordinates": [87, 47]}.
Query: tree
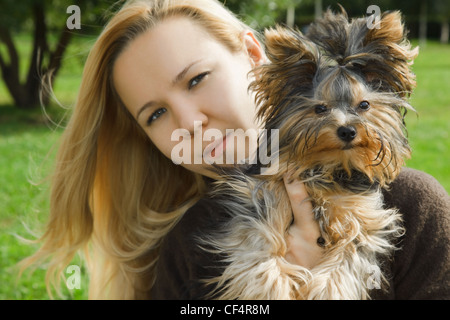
{"type": "Point", "coordinates": [42, 18]}
{"type": "Point", "coordinates": [264, 13]}
{"type": "Point", "coordinates": [441, 9]}
{"type": "Point", "coordinates": [423, 21]}
{"type": "Point", "coordinates": [250, 11]}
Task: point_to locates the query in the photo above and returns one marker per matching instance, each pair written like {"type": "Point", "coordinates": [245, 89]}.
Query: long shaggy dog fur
{"type": "Point", "coordinates": [338, 95]}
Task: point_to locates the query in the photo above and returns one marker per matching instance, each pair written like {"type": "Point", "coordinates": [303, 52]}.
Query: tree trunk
{"type": "Point", "coordinates": [51, 71]}
{"type": "Point", "coordinates": [317, 9]}
{"type": "Point", "coordinates": [10, 72]}
{"type": "Point", "coordinates": [40, 49]}
{"type": "Point", "coordinates": [444, 31]}
{"type": "Point", "coordinates": [33, 92]}
{"type": "Point", "coordinates": [290, 16]}
{"type": "Point", "coordinates": [423, 23]}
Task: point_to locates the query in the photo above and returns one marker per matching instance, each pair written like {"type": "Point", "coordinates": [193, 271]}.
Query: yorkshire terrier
{"type": "Point", "coordinates": [338, 95]}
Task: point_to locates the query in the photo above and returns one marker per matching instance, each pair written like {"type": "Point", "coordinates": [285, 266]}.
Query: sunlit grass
{"type": "Point", "coordinates": [429, 130]}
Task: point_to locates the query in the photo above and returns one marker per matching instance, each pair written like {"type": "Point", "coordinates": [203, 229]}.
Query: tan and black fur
{"type": "Point", "coordinates": [338, 96]}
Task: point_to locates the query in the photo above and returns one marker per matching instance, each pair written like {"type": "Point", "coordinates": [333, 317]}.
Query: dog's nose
{"type": "Point", "coordinates": [346, 134]}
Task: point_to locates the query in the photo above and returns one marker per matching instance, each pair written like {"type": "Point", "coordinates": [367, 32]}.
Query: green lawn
{"type": "Point", "coordinates": [429, 130]}
{"type": "Point", "coordinates": [26, 139]}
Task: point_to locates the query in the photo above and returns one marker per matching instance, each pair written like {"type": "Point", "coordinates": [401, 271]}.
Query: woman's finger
{"type": "Point", "coordinates": [299, 198]}
{"type": "Point", "coordinates": [303, 233]}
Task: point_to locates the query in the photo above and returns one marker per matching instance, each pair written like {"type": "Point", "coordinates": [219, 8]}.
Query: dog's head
{"type": "Point", "coordinates": [338, 94]}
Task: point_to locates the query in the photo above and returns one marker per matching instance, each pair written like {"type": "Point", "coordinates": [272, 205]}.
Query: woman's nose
{"type": "Point", "coordinates": [188, 115]}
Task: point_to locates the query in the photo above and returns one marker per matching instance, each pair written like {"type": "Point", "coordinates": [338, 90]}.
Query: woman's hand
{"type": "Point", "coordinates": [303, 233]}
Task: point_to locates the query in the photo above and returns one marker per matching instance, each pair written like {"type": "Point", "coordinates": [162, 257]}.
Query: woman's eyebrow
{"type": "Point", "coordinates": [177, 79]}
{"type": "Point", "coordinates": [182, 74]}
{"type": "Point", "coordinates": [145, 106]}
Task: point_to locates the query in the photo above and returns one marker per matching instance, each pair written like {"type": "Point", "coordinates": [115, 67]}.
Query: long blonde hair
{"type": "Point", "coordinates": [113, 194]}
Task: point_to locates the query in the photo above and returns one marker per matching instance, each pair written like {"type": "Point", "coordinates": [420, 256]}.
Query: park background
{"type": "Point", "coordinates": [34, 39]}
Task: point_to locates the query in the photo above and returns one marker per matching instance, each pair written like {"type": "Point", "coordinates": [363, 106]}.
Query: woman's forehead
{"type": "Point", "coordinates": [174, 40]}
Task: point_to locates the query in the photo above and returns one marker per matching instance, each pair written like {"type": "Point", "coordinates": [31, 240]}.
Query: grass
{"type": "Point", "coordinates": [27, 137]}
{"type": "Point", "coordinates": [25, 141]}
{"type": "Point", "coordinates": [429, 130]}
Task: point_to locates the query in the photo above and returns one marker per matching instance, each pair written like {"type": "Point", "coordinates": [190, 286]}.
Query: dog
{"type": "Point", "coordinates": [338, 96]}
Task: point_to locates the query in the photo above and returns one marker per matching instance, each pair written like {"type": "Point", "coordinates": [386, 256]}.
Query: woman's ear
{"type": "Point", "coordinates": [254, 49]}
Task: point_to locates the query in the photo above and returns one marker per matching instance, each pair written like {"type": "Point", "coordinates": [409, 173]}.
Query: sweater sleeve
{"type": "Point", "coordinates": [183, 264]}
{"type": "Point", "coordinates": [421, 268]}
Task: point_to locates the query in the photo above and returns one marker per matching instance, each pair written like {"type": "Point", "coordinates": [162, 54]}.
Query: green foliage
{"type": "Point", "coordinates": [17, 15]}
{"type": "Point", "coordinates": [262, 13]}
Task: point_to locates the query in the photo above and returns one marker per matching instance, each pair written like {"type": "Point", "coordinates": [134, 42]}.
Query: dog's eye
{"type": "Point", "coordinates": [320, 109]}
{"type": "Point", "coordinates": [364, 105]}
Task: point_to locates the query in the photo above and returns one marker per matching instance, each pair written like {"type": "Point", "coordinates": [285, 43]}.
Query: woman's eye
{"type": "Point", "coordinates": [155, 115]}
{"type": "Point", "coordinates": [197, 79]}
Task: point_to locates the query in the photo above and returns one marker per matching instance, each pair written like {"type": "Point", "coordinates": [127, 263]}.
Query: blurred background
{"type": "Point", "coordinates": [36, 44]}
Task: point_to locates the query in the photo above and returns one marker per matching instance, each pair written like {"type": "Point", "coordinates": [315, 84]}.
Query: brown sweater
{"type": "Point", "coordinates": [419, 270]}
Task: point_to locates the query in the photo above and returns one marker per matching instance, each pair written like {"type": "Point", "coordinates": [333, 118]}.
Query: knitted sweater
{"type": "Point", "coordinates": [420, 269]}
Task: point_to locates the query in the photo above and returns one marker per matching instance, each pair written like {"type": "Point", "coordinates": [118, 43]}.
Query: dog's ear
{"type": "Point", "coordinates": [285, 43]}
{"type": "Point", "coordinates": [290, 73]}
{"type": "Point", "coordinates": [388, 30]}
{"type": "Point", "coordinates": [392, 55]}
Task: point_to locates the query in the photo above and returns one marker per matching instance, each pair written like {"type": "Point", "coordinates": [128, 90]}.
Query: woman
{"type": "Point", "coordinates": [159, 66]}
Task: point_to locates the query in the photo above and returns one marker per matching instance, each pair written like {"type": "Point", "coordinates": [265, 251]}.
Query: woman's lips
{"type": "Point", "coordinates": [220, 148]}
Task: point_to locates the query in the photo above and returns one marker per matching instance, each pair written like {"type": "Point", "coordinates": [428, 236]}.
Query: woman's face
{"type": "Point", "coordinates": [189, 92]}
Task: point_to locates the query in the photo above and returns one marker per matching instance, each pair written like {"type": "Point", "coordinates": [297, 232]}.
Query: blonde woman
{"type": "Point", "coordinates": [160, 66]}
